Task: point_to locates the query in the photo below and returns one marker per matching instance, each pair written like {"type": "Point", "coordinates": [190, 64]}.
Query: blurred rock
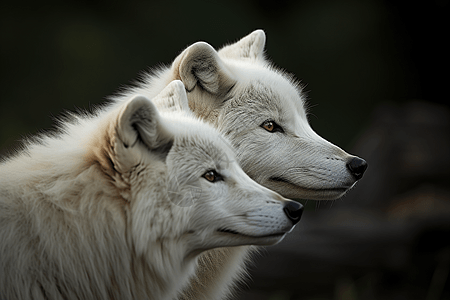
{"type": "Point", "coordinates": [405, 146]}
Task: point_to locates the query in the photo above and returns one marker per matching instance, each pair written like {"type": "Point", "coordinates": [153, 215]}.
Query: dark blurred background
{"type": "Point", "coordinates": [376, 73]}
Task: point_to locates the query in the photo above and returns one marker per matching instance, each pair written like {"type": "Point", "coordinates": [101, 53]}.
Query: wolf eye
{"type": "Point", "coordinates": [271, 126]}
{"type": "Point", "coordinates": [212, 176]}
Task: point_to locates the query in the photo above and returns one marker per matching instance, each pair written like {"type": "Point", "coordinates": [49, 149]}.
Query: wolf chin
{"type": "Point", "coordinates": [120, 204]}
{"type": "Point", "coordinates": [262, 111]}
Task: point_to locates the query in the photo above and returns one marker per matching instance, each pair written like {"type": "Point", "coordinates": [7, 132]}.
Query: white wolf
{"type": "Point", "coordinates": [262, 111]}
{"type": "Point", "coordinates": [120, 204]}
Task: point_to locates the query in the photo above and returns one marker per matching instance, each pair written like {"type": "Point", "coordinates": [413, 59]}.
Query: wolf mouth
{"type": "Point", "coordinates": [226, 230]}
{"type": "Point", "coordinates": [283, 180]}
{"type": "Point", "coordinates": [230, 231]}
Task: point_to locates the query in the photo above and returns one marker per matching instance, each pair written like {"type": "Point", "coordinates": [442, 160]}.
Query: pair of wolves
{"type": "Point", "coordinates": [122, 202]}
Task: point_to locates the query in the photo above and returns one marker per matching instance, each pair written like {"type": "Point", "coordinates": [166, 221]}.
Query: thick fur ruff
{"type": "Point", "coordinates": [105, 209]}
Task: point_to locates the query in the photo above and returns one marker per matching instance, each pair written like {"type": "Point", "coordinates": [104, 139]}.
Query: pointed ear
{"type": "Point", "coordinates": [249, 47]}
{"type": "Point", "coordinates": [172, 98]}
{"type": "Point", "coordinates": [138, 124]}
{"type": "Point", "coordinates": [200, 66]}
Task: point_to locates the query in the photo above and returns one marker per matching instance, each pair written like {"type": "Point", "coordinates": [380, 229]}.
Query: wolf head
{"type": "Point", "coordinates": [262, 111]}
{"type": "Point", "coordinates": [182, 179]}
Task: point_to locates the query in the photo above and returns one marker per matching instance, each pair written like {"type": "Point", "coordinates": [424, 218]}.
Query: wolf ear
{"type": "Point", "coordinates": [249, 47]}
{"type": "Point", "coordinates": [138, 123]}
{"type": "Point", "coordinates": [172, 98]}
{"type": "Point", "coordinates": [200, 66]}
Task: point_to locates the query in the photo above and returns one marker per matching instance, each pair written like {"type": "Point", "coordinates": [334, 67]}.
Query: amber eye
{"type": "Point", "coordinates": [271, 126]}
{"type": "Point", "coordinates": [268, 125]}
{"type": "Point", "coordinates": [212, 176]}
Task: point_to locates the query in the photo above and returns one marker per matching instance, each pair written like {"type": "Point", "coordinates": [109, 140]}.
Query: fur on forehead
{"type": "Point", "coordinates": [193, 132]}
{"type": "Point", "coordinates": [275, 89]}
{"type": "Point", "coordinates": [278, 80]}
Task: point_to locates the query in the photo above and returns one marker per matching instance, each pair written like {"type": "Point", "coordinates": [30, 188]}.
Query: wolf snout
{"type": "Point", "coordinates": [293, 211]}
{"type": "Point", "coordinates": [357, 166]}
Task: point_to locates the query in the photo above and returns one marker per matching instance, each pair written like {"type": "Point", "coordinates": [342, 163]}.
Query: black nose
{"type": "Point", "coordinates": [293, 211]}
{"type": "Point", "coordinates": [357, 167]}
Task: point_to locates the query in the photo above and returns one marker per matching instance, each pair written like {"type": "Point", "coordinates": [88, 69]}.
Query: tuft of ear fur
{"type": "Point", "coordinates": [200, 66]}
{"type": "Point", "coordinates": [172, 99]}
{"type": "Point", "coordinates": [249, 47]}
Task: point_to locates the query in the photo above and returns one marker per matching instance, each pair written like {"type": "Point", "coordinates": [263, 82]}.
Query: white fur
{"type": "Point", "coordinates": [236, 89]}
{"type": "Point", "coordinates": [116, 205]}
